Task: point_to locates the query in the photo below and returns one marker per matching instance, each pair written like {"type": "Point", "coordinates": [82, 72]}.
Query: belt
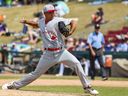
{"type": "Point", "coordinates": [53, 49]}
{"type": "Point", "coordinates": [96, 48]}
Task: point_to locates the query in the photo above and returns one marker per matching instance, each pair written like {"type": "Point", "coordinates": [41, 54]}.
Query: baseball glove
{"type": "Point", "coordinates": [63, 29]}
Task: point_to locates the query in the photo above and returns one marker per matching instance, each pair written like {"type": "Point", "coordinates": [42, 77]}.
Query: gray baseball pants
{"type": "Point", "coordinates": [49, 59]}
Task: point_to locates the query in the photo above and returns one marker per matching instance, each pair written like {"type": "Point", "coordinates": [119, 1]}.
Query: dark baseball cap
{"type": "Point", "coordinates": [97, 26]}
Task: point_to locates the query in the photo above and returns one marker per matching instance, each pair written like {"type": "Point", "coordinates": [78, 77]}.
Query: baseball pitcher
{"type": "Point", "coordinates": [52, 33]}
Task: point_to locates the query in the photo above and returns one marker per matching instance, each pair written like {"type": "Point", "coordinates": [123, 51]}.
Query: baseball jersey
{"type": "Point", "coordinates": [51, 36]}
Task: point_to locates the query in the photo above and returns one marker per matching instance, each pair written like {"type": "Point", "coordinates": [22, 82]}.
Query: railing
{"type": "Point", "coordinates": [26, 61]}
{"type": "Point", "coordinates": [78, 54]}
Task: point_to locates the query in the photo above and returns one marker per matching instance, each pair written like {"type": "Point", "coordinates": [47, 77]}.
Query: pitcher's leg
{"type": "Point", "coordinates": [73, 63]}
{"type": "Point", "coordinates": [80, 72]}
{"type": "Point", "coordinates": [43, 65]}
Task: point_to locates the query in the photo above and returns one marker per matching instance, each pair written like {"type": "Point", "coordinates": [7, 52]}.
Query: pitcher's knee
{"type": "Point", "coordinates": [35, 74]}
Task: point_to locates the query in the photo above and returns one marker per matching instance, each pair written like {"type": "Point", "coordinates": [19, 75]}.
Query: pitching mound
{"type": "Point", "coordinates": [29, 93]}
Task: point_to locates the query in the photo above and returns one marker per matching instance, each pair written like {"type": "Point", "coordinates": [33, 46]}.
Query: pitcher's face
{"type": "Point", "coordinates": [49, 15]}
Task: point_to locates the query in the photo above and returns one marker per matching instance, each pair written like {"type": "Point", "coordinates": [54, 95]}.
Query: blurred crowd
{"type": "Point", "coordinates": [80, 44]}
{"type": "Point", "coordinates": [10, 3]}
{"type": "Point", "coordinates": [30, 35]}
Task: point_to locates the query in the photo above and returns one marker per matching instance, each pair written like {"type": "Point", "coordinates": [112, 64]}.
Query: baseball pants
{"type": "Point", "coordinates": [49, 59]}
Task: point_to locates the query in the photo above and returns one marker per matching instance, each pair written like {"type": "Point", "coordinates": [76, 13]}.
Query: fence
{"type": "Point", "coordinates": [25, 62]}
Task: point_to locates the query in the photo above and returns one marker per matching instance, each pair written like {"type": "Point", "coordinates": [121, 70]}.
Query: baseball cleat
{"type": "Point", "coordinates": [105, 78]}
{"type": "Point", "coordinates": [91, 91]}
{"type": "Point", "coordinates": [8, 86]}
{"type": "Point", "coordinates": [58, 75]}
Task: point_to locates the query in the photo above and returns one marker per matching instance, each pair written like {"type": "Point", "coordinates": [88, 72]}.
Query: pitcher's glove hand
{"type": "Point", "coordinates": [63, 29]}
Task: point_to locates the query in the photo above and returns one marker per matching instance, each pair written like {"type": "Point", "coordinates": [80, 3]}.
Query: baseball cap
{"type": "Point", "coordinates": [49, 8]}
{"type": "Point", "coordinates": [97, 26]}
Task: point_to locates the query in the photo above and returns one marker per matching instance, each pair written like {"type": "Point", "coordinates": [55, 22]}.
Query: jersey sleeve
{"type": "Point", "coordinates": [41, 24]}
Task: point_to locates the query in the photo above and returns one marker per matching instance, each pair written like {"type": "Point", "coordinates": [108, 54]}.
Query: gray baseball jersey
{"type": "Point", "coordinates": [52, 38]}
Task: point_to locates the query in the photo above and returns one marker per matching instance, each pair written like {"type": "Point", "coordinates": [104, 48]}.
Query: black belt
{"type": "Point", "coordinates": [96, 48]}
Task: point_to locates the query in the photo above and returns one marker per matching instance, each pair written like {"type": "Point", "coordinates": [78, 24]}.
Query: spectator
{"type": "Point", "coordinates": [101, 13]}
{"type": "Point", "coordinates": [1, 2]}
{"type": "Point", "coordinates": [96, 18]}
{"type": "Point", "coordinates": [33, 34]}
{"type": "Point", "coordinates": [81, 46]}
{"type": "Point", "coordinates": [80, 0]}
{"type": "Point", "coordinates": [122, 46]}
{"type": "Point", "coordinates": [3, 26]}
{"type": "Point", "coordinates": [4, 54]}
{"type": "Point", "coordinates": [110, 46]}
{"type": "Point", "coordinates": [86, 64]}
{"type": "Point", "coordinates": [96, 44]}
{"type": "Point", "coordinates": [126, 36]}
{"type": "Point", "coordinates": [8, 3]}
{"type": "Point", "coordinates": [17, 3]}
{"type": "Point", "coordinates": [61, 70]}
{"type": "Point", "coordinates": [23, 31]}
{"type": "Point", "coordinates": [13, 52]}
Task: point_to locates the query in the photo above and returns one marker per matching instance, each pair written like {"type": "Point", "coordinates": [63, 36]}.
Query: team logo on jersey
{"type": "Point", "coordinates": [52, 36]}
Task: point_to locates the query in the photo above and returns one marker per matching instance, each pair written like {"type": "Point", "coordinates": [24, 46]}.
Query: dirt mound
{"type": "Point", "coordinates": [48, 82]}
{"type": "Point", "coordinates": [29, 93]}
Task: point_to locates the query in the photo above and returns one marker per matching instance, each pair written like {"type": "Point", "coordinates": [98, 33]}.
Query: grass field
{"type": "Point", "coordinates": [114, 12]}
{"type": "Point", "coordinates": [104, 91]}
{"type": "Point", "coordinates": [39, 87]}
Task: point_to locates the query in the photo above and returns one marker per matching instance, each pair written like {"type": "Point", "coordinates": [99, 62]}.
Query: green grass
{"type": "Point", "coordinates": [15, 76]}
{"type": "Point", "coordinates": [114, 12]}
{"type": "Point", "coordinates": [104, 91]}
